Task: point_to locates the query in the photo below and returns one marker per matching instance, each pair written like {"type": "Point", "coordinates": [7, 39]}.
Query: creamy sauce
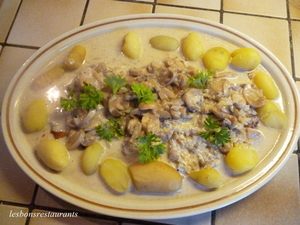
{"type": "Point", "coordinates": [106, 48]}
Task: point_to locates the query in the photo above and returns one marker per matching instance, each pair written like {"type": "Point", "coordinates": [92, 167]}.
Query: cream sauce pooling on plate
{"type": "Point", "coordinates": [99, 49]}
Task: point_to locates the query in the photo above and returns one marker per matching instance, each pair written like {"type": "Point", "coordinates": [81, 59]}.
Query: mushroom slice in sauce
{"type": "Point", "coordinates": [75, 138]}
{"type": "Point", "coordinates": [193, 98]}
{"type": "Point", "coordinates": [253, 96]}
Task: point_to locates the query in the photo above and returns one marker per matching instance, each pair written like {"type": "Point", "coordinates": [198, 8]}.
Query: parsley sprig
{"type": "Point", "coordinates": [150, 147]}
{"type": "Point", "coordinates": [200, 80]}
{"type": "Point", "coordinates": [112, 128]}
{"type": "Point", "coordinates": [90, 98]}
{"type": "Point", "coordinates": [216, 134]}
{"type": "Point", "coordinates": [115, 82]}
{"type": "Point", "coordinates": [143, 93]}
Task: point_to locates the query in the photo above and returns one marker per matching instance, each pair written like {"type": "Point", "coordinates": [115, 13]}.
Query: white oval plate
{"type": "Point", "coordinates": [149, 206]}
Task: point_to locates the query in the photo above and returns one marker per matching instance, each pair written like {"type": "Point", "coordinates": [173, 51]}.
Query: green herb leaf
{"type": "Point", "coordinates": [115, 82]}
{"type": "Point", "coordinates": [200, 80]}
{"type": "Point", "coordinates": [143, 93]}
{"type": "Point", "coordinates": [215, 133]}
{"type": "Point", "coordinates": [112, 128]}
{"type": "Point", "coordinates": [150, 147]}
{"type": "Point", "coordinates": [90, 98]}
{"type": "Point", "coordinates": [70, 102]}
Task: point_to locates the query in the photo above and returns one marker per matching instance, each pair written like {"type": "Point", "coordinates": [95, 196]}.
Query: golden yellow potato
{"type": "Point", "coordinates": [132, 46]}
{"type": "Point", "coordinates": [35, 117]}
{"type": "Point", "coordinates": [192, 47]}
{"type": "Point", "coordinates": [165, 43]}
{"type": "Point", "coordinates": [75, 57]}
{"type": "Point", "coordinates": [208, 177]}
{"type": "Point", "coordinates": [156, 177]}
{"type": "Point", "coordinates": [245, 58]}
{"type": "Point", "coordinates": [53, 154]}
{"type": "Point", "coordinates": [265, 82]}
{"type": "Point", "coordinates": [48, 77]}
{"type": "Point", "coordinates": [241, 158]}
{"type": "Point", "coordinates": [216, 59]}
{"type": "Point", "coordinates": [115, 174]}
{"type": "Point", "coordinates": [90, 158]}
{"type": "Point", "coordinates": [272, 116]}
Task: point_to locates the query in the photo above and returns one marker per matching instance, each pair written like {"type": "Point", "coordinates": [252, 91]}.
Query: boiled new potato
{"type": "Point", "coordinates": [115, 174]}
{"type": "Point", "coordinates": [53, 154]}
{"type": "Point", "coordinates": [35, 117]}
{"type": "Point", "coordinates": [208, 177]}
{"type": "Point", "coordinates": [156, 177]}
{"type": "Point", "coordinates": [90, 158]}
{"type": "Point", "coordinates": [192, 47]}
{"type": "Point", "coordinates": [75, 57]}
{"type": "Point", "coordinates": [245, 58]}
{"type": "Point", "coordinates": [48, 77]}
{"type": "Point", "coordinates": [132, 46]}
{"type": "Point", "coordinates": [165, 43]}
{"type": "Point", "coordinates": [216, 59]}
{"type": "Point", "coordinates": [241, 158]}
{"type": "Point", "coordinates": [265, 82]}
{"type": "Point", "coordinates": [272, 116]}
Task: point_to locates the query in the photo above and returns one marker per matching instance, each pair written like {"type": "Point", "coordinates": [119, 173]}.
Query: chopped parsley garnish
{"type": "Point", "coordinates": [150, 147]}
{"type": "Point", "coordinates": [112, 128]}
{"type": "Point", "coordinates": [200, 80]}
{"type": "Point", "coordinates": [216, 134]}
{"type": "Point", "coordinates": [143, 93]}
{"type": "Point", "coordinates": [115, 82]}
{"type": "Point", "coordinates": [90, 98]}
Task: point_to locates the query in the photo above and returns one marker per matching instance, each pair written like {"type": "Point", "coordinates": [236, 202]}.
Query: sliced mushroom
{"type": "Point", "coordinates": [117, 105]}
{"type": "Point", "coordinates": [166, 94]}
{"type": "Point", "coordinates": [254, 96]}
{"type": "Point", "coordinates": [89, 138]}
{"type": "Point", "coordinates": [220, 86]}
{"type": "Point", "coordinates": [75, 138]}
{"type": "Point", "coordinates": [254, 136]}
{"type": "Point", "coordinates": [137, 72]}
{"type": "Point", "coordinates": [100, 67]}
{"type": "Point", "coordinates": [238, 100]}
{"type": "Point", "coordinates": [193, 99]}
{"type": "Point", "coordinates": [162, 113]}
{"type": "Point", "coordinates": [230, 120]}
{"type": "Point", "coordinates": [134, 128]}
{"type": "Point", "coordinates": [166, 77]}
{"type": "Point", "coordinates": [84, 120]}
{"type": "Point", "coordinates": [178, 111]}
{"type": "Point", "coordinates": [89, 76]}
{"type": "Point", "coordinates": [150, 123]}
{"type": "Point", "coordinates": [148, 106]}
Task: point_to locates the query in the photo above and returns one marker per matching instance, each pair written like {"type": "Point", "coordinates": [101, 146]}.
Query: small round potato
{"type": "Point", "coordinates": [272, 116]}
{"type": "Point", "coordinates": [192, 47]}
{"type": "Point", "coordinates": [132, 46]}
{"type": "Point", "coordinates": [208, 177]}
{"type": "Point", "coordinates": [155, 177]}
{"type": "Point", "coordinates": [265, 82]}
{"type": "Point", "coordinates": [35, 117]}
{"type": "Point", "coordinates": [245, 58]}
{"type": "Point", "coordinates": [48, 77]}
{"type": "Point", "coordinates": [75, 57]}
{"type": "Point", "coordinates": [90, 158]}
{"type": "Point", "coordinates": [53, 154]}
{"type": "Point", "coordinates": [216, 59]}
{"type": "Point", "coordinates": [164, 43]}
{"type": "Point", "coordinates": [115, 174]}
{"type": "Point", "coordinates": [241, 158]}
